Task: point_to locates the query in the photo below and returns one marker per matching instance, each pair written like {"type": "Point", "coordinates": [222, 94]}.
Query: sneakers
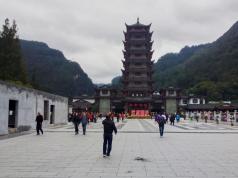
{"type": "Point", "coordinates": [104, 156]}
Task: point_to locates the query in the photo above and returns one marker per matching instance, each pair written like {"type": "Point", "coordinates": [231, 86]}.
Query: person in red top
{"type": "Point", "coordinates": [89, 116]}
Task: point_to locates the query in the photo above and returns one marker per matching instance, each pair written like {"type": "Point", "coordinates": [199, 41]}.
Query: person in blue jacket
{"type": "Point", "coordinates": [84, 121]}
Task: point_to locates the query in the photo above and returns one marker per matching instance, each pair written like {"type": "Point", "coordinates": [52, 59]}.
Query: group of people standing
{"type": "Point", "coordinates": [80, 118]}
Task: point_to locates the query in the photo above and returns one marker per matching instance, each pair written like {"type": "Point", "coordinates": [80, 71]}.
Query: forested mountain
{"type": "Point", "coordinates": [168, 68]}
{"type": "Point", "coordinates": [49, 70]}
{"type": "Point", "coordinates": [209, 70]}
{"type": "Point", "coordinates": [116, 82]}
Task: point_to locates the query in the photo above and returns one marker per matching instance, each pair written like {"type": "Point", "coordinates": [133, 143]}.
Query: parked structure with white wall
{"type": "Point", "coordinates": [19, 107]}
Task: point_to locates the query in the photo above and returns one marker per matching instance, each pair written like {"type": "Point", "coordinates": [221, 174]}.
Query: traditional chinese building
{"type": "Point", "coordinates": [138, 97]}
{"type": "Point", "coordinates": [137, 72]}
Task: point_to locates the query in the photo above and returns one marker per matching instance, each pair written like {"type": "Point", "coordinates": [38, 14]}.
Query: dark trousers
{"type": "Point", "coordinates": [172, 122]}
{"type": "Point", "coordinates": [107, 144]}
{"type": "Point", "coordinates": [39, 128]}
{"type": "Point", "coordinates": [161, 129]}
{"type": "Point", "coordinates": [84, 128]}
{"type": "Point", "coordinates": [76, 127]}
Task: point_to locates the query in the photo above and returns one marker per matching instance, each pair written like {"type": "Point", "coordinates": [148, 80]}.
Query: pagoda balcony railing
{"type": "Point", "coordinates": [143, 38]}
{"type": "Point", "coordinates": [131, 79]}
{"type": "Point", "coordinates": [138, 69]}
{"type": "Point", "coordinates": [129, 43]}
{"type": "Point", "coordinates": [137, 48]}
{"type": "Point", "coordinates": [127, 63]}
{"type": "Point", "coordinates": [141, 60]}
{"type": "Point", "coordinates": [138, 99]}
{"type": "Point", "coordinates": [136, 89]}
{"type": "Point", "coordinates": [144, 61]}
{"type": "Point", "coordinates": [141, 77]}
{"type": "Point", "coordinates": [138, 30]}
{"type": "Point", "coordinates": [138, 86]}
{"type": "Point", "coordinates": [138, 57]}
{"type": "Point", "coordinates": [138, 39]}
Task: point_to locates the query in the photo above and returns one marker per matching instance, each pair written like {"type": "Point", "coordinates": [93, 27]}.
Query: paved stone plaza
{"type": "Point", "coordinates": [183, 152]}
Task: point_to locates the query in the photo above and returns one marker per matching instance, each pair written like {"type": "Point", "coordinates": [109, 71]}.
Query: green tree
{"type": "Point", "coordinates": [12, 67]}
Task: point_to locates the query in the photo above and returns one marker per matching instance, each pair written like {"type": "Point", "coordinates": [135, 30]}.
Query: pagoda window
{"type": "Point", "coordinates": [195, 100]}
{"type": "Point", "coordinates": [171, 92]}
{"type": "Point", "coordinates": [137, 54]}
{"type": "Point", "coordinates": [184, 101]}
{"type": "Point", "coordinates": [137, 83]}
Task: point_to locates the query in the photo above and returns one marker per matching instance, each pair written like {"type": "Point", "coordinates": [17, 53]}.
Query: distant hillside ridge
{"type": "Point", "coordinates": [49, 70]}
{"type": "Point", "coordinates": [209, 69]}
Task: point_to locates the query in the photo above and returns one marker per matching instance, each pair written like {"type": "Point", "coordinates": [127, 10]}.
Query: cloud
{"type": "Point", "coordinates": [90, 32]}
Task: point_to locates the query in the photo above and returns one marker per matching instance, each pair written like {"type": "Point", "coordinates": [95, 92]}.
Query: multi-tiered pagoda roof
{"type": "Point", "coordinates": [137, 63]}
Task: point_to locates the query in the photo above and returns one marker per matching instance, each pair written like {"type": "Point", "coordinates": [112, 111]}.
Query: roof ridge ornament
{"type": "Point", "coordinates": [138, 20]}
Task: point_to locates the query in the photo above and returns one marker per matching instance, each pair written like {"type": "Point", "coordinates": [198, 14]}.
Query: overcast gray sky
{"type": "Point", "coordinates": [91, 31]}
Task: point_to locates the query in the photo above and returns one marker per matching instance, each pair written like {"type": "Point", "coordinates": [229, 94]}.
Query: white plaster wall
{"type": "Point", "coordinates": [3, 110]}
{"type": "Point", "coordinates": [29, 103]}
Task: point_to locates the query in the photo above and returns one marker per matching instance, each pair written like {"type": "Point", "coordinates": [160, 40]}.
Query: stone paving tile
{"type": "Point", "coordinates": [62, 154]}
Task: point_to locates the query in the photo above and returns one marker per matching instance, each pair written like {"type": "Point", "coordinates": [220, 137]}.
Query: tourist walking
{"type": "Point", "coordinates": [118, 117]}
{"type": "Point", "coordinates": [95, 117]}
{"type": "Point", "coordinates": [161, 120]}
{"type": "Point", "coordinates": [196, 116]}
{"type": "Point", "coordinates": [76, 121]}
{"type": "Point", "coordinates": [39, 120]}
{"type": "Point", "coordinates": [109, 127]}
{"type": "Point", "coordinates": [84, 121]}
{"type": "Point", "coordinates": [172, 119]}
{"type": "Point", "coordinates": [177, 117]}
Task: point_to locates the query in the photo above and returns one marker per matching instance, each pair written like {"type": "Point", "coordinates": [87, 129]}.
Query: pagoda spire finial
{"type": "Point", "coordinates": [138, 20]}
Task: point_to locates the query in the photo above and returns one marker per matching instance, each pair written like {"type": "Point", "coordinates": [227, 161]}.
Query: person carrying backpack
{"type": "Point", "coordinates": [160, 119]}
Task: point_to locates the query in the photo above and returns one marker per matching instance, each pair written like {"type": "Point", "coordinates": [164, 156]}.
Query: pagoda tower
{"type": "Point", "coordinates": [137, 72]}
